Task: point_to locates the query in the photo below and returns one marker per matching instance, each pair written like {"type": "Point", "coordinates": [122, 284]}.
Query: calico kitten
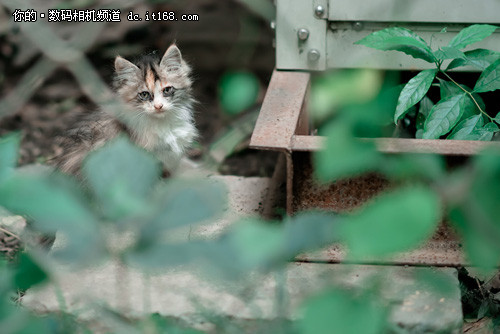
{"type": "Point", "coordinates": [159, 118]}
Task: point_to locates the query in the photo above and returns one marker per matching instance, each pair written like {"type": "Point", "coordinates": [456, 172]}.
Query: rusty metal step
{"type": "Point", "coordinates": [283, 126]}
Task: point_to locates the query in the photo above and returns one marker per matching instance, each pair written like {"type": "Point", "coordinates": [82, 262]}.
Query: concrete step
{"type": "Point", "coordinates": [185, 294]}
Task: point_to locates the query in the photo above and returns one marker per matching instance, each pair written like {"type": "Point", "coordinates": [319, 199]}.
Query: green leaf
{"type": "Point", "coordinates": [394, 222]}
{"type": "Point", "coordinates": [249, 245]}
{"type": "Point", "coordinates": [156, 255]}
{"type": "Point", "coordinates": [19, 320]}
{"type": "Point", "coordinates": [437, 281]}
{"type": "Point", "coordinates": [238, 91]}
{"type": "Point", "coordinates": [371, 124]}
{"type": "Point", "coordinates": [399, 39]}
{"type": "Point", "coordinates": [464, 129]}
{"type": "Point", "coordinates": [449, 89]}
{"type": "Point", "coordinates": [261, 245]}
{"type": "Point", "coordinates": [308, 231]}
{"type": "Point", "coordinates": [28, 273]}
{"type": "Point", "coordinates": [425, 106]}
{"type": "Point", "coordinates": [479, 58]}
{"type": "Point", "coordinates": [9, 146]}
{"type": "Point", "coordinates": [424, 109]}
{"type": "Point", "coordinates": [444, 116]}
{"type": "Point", "coordinates": [471, 34]}
{"type": "Point", "coordinates": [46, 202]}
{"type": "Point", "coordinates": [344, 155]}
{"type": "Point", "coordinates": [480, 236]}
{"type": "Point", "coordinates": [447, 52]}
{"type": "Point", "coordinates": [334, 90]}
{"type": "Point", "coordinates": [256, 243]}
{"type": "Point", "coordinates": [55, 206]}
{"type": "Point", "coordinates": [497, 118]}
{"type": "Point", "coordinates": [121, 176]}
{"type": "Point", "coordinates": [485, 133]}
{"type": "Point", "coordinates": [413, 92]}
{"type": "Point", "coordinates": [341, 311]}
{"type": "Point", "coordinates": [489, 79]}
{"type": "Point", "coordinates": [476, 216]}
{"type": "Point", "coordinates": [184, 202]}
{"type": "Point", "coordinates": [491, 127]}
{"type": "Point", "coordinates": [414, 166]}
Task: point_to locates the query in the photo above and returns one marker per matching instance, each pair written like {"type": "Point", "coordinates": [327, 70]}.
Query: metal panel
{"type": "Point", "coordinates": [291, 52]}
{"type": "Point", "coordinates": [443, 11]}
{"type": "Point", "coordinates": [343, 53]}
{"type": "Point", "coordinates": [344, 22]}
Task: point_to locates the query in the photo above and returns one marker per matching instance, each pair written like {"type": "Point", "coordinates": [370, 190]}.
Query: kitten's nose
{"type": "Point", "coordinates": [158, 106]}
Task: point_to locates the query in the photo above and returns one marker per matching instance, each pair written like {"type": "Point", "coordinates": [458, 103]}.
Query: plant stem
{"type": "Point", "coordinates": [468, 93]}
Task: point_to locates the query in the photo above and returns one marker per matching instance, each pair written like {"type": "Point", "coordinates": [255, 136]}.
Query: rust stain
{"type": "Point", "coordinates": [342, 196]}
{"type": "Point", "coordinates": [443, 248]}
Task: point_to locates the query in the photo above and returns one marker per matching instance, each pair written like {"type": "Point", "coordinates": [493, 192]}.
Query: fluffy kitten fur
{"type": "Point", "coordinates": [159, 117]}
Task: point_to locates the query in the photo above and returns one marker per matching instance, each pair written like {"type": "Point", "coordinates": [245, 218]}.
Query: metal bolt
{"type": "Point", "coordinates": [319, 11]}
{"type": "Point", "coordinates": [303, 34]}
{"type": "Point", "coordinates": [313, 55]}
{"type": "Point", "coordinates": [358, 26]}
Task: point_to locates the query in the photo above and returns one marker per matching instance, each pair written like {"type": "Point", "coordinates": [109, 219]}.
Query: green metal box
{"type": "Point", "coordinates": [319, 34]}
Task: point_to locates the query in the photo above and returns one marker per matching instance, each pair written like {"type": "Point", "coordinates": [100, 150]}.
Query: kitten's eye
{"type": "Point", "coordinates": [168, 91]}
{"type": "Point", "coordinates": [144, 96]}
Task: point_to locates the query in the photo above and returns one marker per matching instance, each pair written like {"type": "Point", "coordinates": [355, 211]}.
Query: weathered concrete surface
{"type": "Point", "coordinates": [246, 196]}
{"type": "Point", "coordinates": [416, 305]}
{"type": "Point", "coordinates": [185, 294]}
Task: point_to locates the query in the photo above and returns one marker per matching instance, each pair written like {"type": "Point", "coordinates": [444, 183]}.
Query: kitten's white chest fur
{"type": "Point", "coordinates": [167, 139]}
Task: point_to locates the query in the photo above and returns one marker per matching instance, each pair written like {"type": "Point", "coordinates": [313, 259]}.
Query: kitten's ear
{"type": "Point", "coordinates": [172, 59]}
{"type": "Point", "coordinates": [122, 65]}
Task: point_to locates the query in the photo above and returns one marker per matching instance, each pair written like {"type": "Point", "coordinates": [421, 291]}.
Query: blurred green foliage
{"type": "Point", "coordinates": [342, 88]}
{"type": "Point", "coordinates": [399, 220]}
{"type": "Point", "coordinates": [342, 311]}
{"type": "Point", "coordinates": [238, 91]}
{"type": "Point", "coordinates": [122, 192]}
{"type": "Point", "coordinates": [152, 209]}
{"type": "Point", "coordinates": [467, 193]}
{"type": "Point", "coordinates": [8, 150]}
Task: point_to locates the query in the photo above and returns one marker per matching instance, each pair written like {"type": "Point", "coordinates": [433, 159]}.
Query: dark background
{"type": "Point", "coordinates": [228, 37]}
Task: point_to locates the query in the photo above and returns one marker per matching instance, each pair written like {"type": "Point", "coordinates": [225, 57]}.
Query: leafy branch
{"type": "Point", "coordinates": [459, 113]}
{"type": "Point", "coordinates": [468, 93]}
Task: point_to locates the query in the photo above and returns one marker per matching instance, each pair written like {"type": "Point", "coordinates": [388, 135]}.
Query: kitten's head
{"type": "Point", "coordinates": [154, 86]}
